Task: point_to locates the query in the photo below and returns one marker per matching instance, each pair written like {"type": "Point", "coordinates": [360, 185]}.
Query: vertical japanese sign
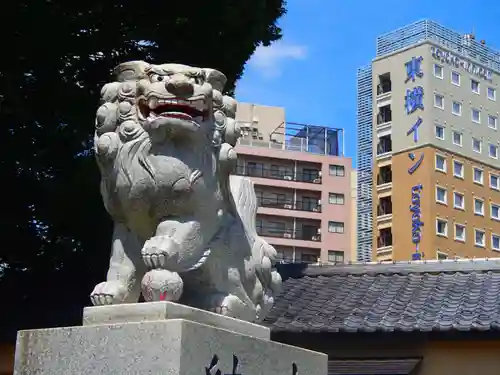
{"type": "Point", "coordinates": [414, 101]}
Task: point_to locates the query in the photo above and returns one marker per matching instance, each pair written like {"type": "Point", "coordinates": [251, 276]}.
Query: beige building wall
{"type": "Point", "coordinates": [259, 122]}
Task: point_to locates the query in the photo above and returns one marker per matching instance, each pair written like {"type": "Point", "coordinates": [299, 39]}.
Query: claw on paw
{"type": "Point", "coordinates": [108, 293]}
{"type": "Point", "coordinates": [160, 252]}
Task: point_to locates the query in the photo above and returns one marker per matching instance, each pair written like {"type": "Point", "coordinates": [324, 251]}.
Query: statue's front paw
{"type": "Point", "coordinates": [161, 252]}
{"type": "Point", "coordinates": [232, 306]}
{"type": "Point", "coordinates": [108, 293]}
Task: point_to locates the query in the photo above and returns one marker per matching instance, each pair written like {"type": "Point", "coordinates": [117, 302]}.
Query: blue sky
{"type": "Point", "coordinates": [312, 70]}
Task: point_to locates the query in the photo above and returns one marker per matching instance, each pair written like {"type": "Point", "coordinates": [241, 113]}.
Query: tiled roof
{"type": "Point", "coordinates": [400, 366]}
{"type": "Point", "coordinates": [428, 296]}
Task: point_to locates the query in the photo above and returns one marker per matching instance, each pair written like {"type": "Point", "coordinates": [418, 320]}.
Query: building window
{"type": "Point", "coordinates": [474, 86]}
{"type": "Point", "coordinates": [458, 169]}
{"type": "Point", "coordinates": [308, 258]}
{"type": "Point", "coordinates": [258, 225]}
{"type": "Point", "coordinates": [438, 71]}
{"type": "Point", "coordinates": [336, 198]}
{"type": "Point", "coordinates": [495, 211]}
{"type": "Point", "coordinates": [457, 138]}
{"type": "Point", "coordinates": [337, 170]}
{"type": "Point", "coordinates": [440, 163]}
{"type": "Point", "coordinates": [255, 169]}
{"type": "Point", "coordinates": [281, 172]}
{"type": "Point", "coordinates": [441, 196]}
{"type": "Point", "coordinates": [277, 228]}
{"type": "Point", "coordinates": [460, 232]}
{"type": "Point", "coordinates": [441, 256]}
{"type": "Point", "coordinates": [477, 145]}
{"type": "Point", "coordinates": [456, 108]}
{"type": "Point", "coordinates": [439, 101]}
{"type": "Point", "coordinates": [475, 115]}
{"type": "Point", "coordinates": [492, 93]}
{"type": "Point", "coordinates": [335, 256]}
{"type": "Point", "coordinates": [495, 242]}
{"type": "Point", "coordinates": [492, 122]}
{"type": "Point", "coordinates": [494, 181]}
{"type": "Point", "coordinates": [442, 227]}
{"type": "Point", "coordinates": [455, 78]}
{"type": "Point", "coordinates": [335, 227]}
{"type": "Point", "coordinates": [478, 175]}
{"type": "Point", "coordinates": [458, 201]}
{"type": "Point", "coordinates": [493, 151]}
{"type": "Point", "coordinates": [478, 207]}
{"type": "Point", "coordinates": [479, 237]}
{"type": "Point", "coordinates": [310, 175]}
{"type": "Point", "coordinates": [439, 132]}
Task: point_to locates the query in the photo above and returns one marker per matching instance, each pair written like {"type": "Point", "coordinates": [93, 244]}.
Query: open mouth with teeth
{"type": "Point", "coordinates": [173, 108]}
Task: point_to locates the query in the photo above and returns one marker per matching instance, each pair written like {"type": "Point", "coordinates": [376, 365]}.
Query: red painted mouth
{"type": "Point", "coordinates": [173, 108]}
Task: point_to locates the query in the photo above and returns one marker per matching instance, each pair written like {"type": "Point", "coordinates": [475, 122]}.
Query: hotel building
{"type": "Point", "coordinates": [302, 182]}
{"type": "Point", "coordinates": [428, 157]}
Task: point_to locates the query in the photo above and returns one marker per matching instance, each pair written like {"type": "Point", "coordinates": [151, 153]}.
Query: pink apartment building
{"type": "Point", "coordinates": [302, 182]}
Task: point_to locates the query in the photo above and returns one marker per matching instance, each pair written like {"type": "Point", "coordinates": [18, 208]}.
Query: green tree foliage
{"type": "Point", "coordinates": [56, 55]}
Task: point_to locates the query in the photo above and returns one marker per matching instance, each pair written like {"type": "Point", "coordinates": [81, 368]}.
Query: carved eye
{"type": "Point", "coordinates": [156, 78]}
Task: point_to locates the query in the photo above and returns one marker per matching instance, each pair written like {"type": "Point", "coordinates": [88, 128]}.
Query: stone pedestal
{"type": "Point", "coordinates": [160, 338]}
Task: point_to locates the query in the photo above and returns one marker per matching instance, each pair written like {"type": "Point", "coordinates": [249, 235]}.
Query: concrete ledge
{"type": "Point", "coordinates": [165, 310]}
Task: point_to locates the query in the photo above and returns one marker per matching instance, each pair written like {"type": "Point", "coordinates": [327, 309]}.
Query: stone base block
{"type": "Point", "coordinates": [162, 346]}
{"type": "Point", "coordinates": [165, 310]}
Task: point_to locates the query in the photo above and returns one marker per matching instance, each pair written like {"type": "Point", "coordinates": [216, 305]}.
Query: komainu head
{"type": "Point", "coordinates": [164, 142]}
{"type": "Point", "coordinates": [178, 99]}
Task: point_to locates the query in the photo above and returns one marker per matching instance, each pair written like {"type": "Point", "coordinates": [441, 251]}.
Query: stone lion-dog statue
{"type": "Point", "coordinates": [184, 226]}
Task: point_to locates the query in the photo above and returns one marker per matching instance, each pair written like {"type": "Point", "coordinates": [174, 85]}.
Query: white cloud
{"type": "Point", "coordinates": [269, 60]}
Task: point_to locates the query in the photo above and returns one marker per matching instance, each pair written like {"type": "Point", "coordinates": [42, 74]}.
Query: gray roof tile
{"type": "Point", "coordinates": [398, 366]}
{"type": "Point", "coordinates": [435, 296]}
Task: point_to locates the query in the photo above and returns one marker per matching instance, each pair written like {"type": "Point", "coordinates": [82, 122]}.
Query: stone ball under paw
{"type": "Point", "coordinates": [162, 285]}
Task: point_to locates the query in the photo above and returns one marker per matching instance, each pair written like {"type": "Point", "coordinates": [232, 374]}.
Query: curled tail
{"type": "Point", "coordinates": [245, 205]}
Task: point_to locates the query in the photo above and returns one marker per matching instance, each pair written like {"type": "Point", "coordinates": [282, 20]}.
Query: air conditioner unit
{"type": "Point", "coordinates": [315, 238]}
{"type": "Point", "coordinates": [315, 209]}
{"type": "Point", "coordinates": [317, 180]}
{"type": "Point", "coordinates": [288, 206]}
{"type": "Point", "coordinates": [289, 178]}
{"type": "Point", "coordinates": [287, 235]}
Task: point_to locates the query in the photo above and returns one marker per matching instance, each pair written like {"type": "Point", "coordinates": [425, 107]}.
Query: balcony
{"type": "Point", "coordinates": [384, 146]}
{"type": "Point", "coordinates": [299, 205]}
{"type": "Point", "coordinates": [384, 207]}
{"type": "Point", "coordinates": [384, 210]}
{"type": "Point", "coordinates": [307, 175]}
{"type": "Point", "coordinates": [385, 84]}
{"type": "Point", "coordinates": [384, 178]}
{"type": "Point", "coordinates": [312, 234]}
{"type": "Point", "coordinates": [384, 115]}
{"type": "Point", "coordinates": [384, 241]}
{"type": "Point", "coordinates": [297, 254]}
